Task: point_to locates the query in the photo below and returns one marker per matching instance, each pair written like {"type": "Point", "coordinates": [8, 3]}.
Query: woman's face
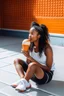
{"type": "Point", "coordinates": [33, 35]}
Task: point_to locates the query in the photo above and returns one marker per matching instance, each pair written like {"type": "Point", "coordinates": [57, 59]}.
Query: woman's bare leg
{"type": "Point", "coordinates": [34, 69]}
{"type": "Point", "coordinates": [18, 66]}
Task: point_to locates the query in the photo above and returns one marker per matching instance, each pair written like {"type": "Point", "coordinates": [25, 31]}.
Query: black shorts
{"type": "Point", "coordinates": [47, 75]}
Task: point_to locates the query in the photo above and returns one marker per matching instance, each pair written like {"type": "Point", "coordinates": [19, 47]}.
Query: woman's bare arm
{"type": "Point", "coordinates": [49, 59]}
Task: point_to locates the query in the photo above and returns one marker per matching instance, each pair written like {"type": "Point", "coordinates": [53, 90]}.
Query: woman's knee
{"type": "Point", "coordinates": [32, 65]}
{"type": "Point", "coordinates": [17, 61]}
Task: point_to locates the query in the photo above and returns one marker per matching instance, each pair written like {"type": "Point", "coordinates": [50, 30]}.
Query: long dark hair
{"type": "Point", "coordinates": [44, 36]}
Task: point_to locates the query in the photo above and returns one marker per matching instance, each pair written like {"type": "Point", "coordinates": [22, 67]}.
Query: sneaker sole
{"type": "Point", "coordinates": [23, 90]}
{"type": "Point", "coordinates": [20, 90]}
{"type": "Point", "coordinates": [14, 86]}
{"type": "Point", "coordinates": [28, 87]}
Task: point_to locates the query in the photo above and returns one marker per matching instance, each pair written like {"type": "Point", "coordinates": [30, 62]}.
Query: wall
{"type": "Point", "coordinates": [18, 14]}
{"type": "Point", "coordinates": [0, 14]}
{"type": "Point", "coordinates": [51, 13]}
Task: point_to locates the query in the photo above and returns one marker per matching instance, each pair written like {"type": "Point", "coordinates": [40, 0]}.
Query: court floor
{"type": "Point", "coordinates": [9, 50]}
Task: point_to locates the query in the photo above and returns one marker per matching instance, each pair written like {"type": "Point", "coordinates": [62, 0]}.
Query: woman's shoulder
{"type": "Point", "coordinates": [48, 48]}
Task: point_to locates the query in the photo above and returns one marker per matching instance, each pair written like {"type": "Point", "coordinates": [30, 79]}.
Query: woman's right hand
{"type": "Point", "coordinates": [28, 61]}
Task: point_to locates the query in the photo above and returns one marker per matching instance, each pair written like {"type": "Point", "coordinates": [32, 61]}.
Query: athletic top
{"type": "Point", "coordinates": [42, 59]}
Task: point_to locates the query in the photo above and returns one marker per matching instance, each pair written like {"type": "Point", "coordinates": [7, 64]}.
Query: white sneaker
{"type": "Point", "coordinates": [15, 84]}
{"type": "Point", "coordinates": [23, 85]}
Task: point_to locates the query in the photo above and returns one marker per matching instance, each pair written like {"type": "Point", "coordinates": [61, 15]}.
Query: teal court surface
{"type": "Point", "coordinates": [9, 50]}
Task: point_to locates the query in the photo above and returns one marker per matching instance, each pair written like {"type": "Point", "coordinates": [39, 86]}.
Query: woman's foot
{"type": "Point", "coordinates": [15, 84]}
{"type": "Point", "coordinates": [23, 85]}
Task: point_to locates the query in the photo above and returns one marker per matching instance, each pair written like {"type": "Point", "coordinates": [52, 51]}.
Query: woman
{"type": "Point", "coordinates": [39, 65]}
